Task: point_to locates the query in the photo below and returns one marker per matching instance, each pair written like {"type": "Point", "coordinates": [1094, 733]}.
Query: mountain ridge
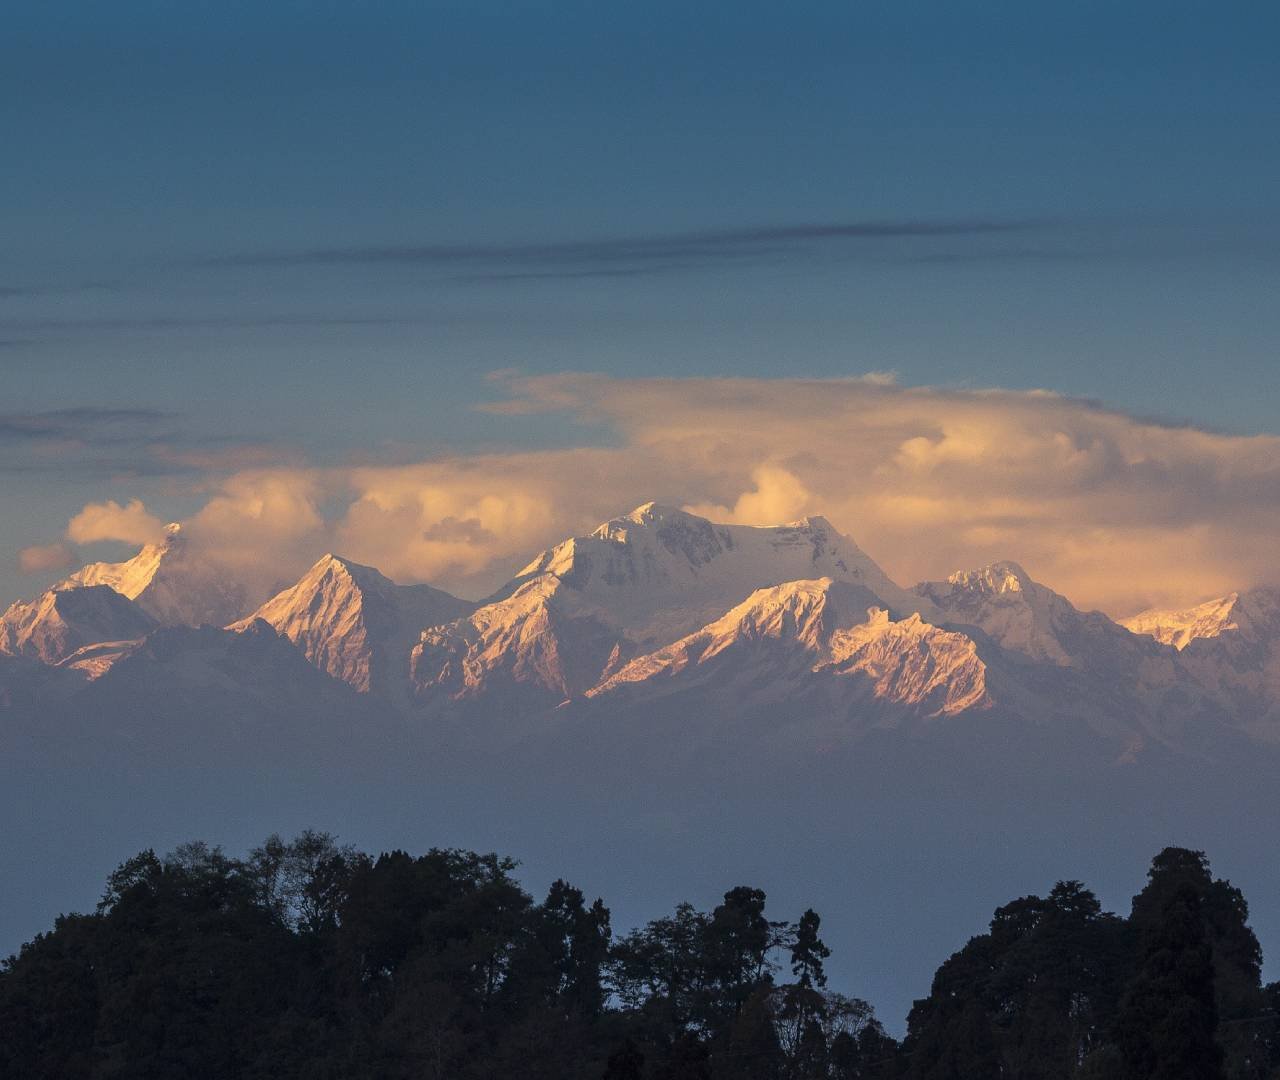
{"type": "Point", "coordinates": [660, 604]}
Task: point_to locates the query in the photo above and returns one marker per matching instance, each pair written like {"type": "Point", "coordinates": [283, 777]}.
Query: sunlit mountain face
{"type": "Point", "coordinates": [664, 606]}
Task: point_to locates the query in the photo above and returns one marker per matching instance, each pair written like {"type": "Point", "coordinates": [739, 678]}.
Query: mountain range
{"type": "Point", "coordinates": [662, 700]}
{"type": "Point", "coordinates": [656, 608]}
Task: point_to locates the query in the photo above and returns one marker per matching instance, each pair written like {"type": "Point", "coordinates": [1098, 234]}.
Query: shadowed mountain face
{"type": "Point", "coordinates": [665, 697]}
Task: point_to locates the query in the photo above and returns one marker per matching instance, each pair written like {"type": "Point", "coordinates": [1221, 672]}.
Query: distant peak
{"type": "Point", "coordinates": [1002, 576]}
{"type": "Point", "coordinates": [650, 513]}
{"type": "Point", "coordinates": [330, 563]}
{"type": "Point", "coordinates": [813, 523]}
{"type": "Point", "coordinates": [655, 511]}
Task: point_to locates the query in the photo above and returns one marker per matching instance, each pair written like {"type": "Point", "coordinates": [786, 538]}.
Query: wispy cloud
{"type": "Point", "coordinates": [83, 424]}
{"type": "Point", "coordinates": [188, 322]}
{"type": "Point", "coordinates": [9, 292]}
{"type": "Point", "coordinates": [45, 558]}
{"type": "Point", "coordinates": [629, 255]}
{"type": "Point", "coordinates": [106, 441]}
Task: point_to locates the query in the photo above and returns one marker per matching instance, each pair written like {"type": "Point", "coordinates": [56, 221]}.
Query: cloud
{"type": "Point", "coordinates": [777, 496]}
{"type": "Point", "coordinates": [105, 441]}
{"type": "Point", "coordinates": [626, 256]}
{"type": "Point", "coordinates": [42, 558]}
{"type": "Point", "coordinates": [469, 530]}
{"type": "Point", "coordinates": [131, 524]}
{"type": "Point", "coordinates": [1115, 511]}
{"type": "Point", "coordinates": [266, 322]}
{"type": "Point", "coordinates": [79, 425]}
{"type": "Point", "coordinates": [89, 439]}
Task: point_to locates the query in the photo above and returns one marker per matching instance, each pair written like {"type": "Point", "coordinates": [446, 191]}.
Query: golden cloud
{"type": "Point", "coordinates": [132, 523]}
{"type": "Point", "coordinates": [43, 558]}
{"type": "Point", "coordinates": [1116, 512]}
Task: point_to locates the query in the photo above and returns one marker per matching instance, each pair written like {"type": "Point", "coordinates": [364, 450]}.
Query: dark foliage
{"type": "Point", "coordinates": [312, 961]}
{"type": "Point", "coordinates": [1058, 988]}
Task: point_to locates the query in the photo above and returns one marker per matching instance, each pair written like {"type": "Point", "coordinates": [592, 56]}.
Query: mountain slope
{"type": "Point", "coordinates": [184, 688]}
{"type": "Point", "coordinates": [539, 645]}
{"type": "Point", "coordinates": [661, 573]}
{"type": "Point", "coordinates": [30, 684]}
{"type": "Point", "coordinates": [1231, 648]}
{"type": "Point", "coordinates": [356, 624]}
{"type": "Point", "coordinates": [662, 606]}
{"type": "Point", "coordinates": [173, 584]}
{"type": "Point", "coordinates": [1029, 619]}
{"type": "Point", "coordinates": [1251, 616]}
{"type": "Point", "coordinates": [820, 639]}
{"type": "Point", "coordinates": [57, 624]}
{"type": "Point", "coordinates": [638, 582]}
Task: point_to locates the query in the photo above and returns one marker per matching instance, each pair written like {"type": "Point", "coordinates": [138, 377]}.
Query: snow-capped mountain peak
{"type": "Point", "coordinates": [1251, 615]}
{"type": "Point", "coordinates": [797, 616]}
{"type": "Point", "coordinates": [1018, 613]}
{"type": "Point", "coordinates": [540, 644]}
{"type": "Point", "coordinates": [994, 579]}
{"type": "Point", "coordinates": [172, 582]}
{"type": "Point", "coordinates": [634, 584]}
{"type": "Point", "coordinates": [659, 572]}
{"type": "Point", "coordinates": [663, 604]}
{"type": "Point", "coordinates": [795, 638]}
{"type": "Point", "coordinates": [356, 623]}
{"type": "Point", "coordinates": [62, 621]}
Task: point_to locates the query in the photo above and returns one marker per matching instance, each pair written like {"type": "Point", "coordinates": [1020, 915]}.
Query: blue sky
{"type": "Point", "coordinates": [313, 229]}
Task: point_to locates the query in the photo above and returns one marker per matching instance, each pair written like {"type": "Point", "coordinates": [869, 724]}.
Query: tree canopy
{"type": "Point", "coordinates": [312, 960]}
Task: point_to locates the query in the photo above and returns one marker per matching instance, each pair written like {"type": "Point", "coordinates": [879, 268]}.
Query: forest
{"type": "Point", "coordinates": [307, 959]}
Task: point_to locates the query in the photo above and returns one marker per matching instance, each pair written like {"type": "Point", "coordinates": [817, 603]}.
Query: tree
{"type": "Point", "coordinates": [1045, 979]}
{"type": "Point", "coordinates": [1168, 1020]}
{"type": "Point", "coordinates": [50, 1001]}
{"type": "Point", "coordinates": [749, 1050]}
{"type": "Point", "coordinates": [800, 1007]}
{"type": "Point", "coordinates": [662, 968]}
{"type": "Point", "coordinates": [808, 952]}
{"type": "Point", "coordinates": [302, 881]}
{"type": "Point", "coordinates": [625, 1063]}
{"type": "Point", "coordinates": [575, 940]}
{"type": "Point", "coordinates": [739, 939]}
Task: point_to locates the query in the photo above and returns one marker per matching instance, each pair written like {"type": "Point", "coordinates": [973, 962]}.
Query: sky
{"type": "Point", "coordinates": [440, 283]}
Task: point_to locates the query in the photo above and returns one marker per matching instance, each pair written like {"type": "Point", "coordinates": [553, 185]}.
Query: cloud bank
{"type": "Point", "coordinates": [1116, 511]}
{"type": "Point", "coordinates": [108, 520]}
{"type": "Point", "coordinates": [45, 558]}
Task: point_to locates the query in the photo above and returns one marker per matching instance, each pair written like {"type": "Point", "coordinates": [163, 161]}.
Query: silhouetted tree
{"type": "Point", "coordinates": [1241, 1003]}
{"type": "Point", "coordinates": [1167, 1025]}
{"type": "Point", "coordinates": [625, 1063]}
{"type": "Point", "coordinates": [1045, 980]}
{"type": "Point", "coordinates": [311, 961]}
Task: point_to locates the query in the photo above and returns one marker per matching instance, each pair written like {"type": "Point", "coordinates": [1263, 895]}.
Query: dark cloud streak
{"type": "Point", "coordinates": [86, 423]}
{"type": "Point", "coordinates": [674, 249]}
{"type": "Point", "coordinates": [105, 441]}
{"type": "Point", "coordinates": [206, 322]}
